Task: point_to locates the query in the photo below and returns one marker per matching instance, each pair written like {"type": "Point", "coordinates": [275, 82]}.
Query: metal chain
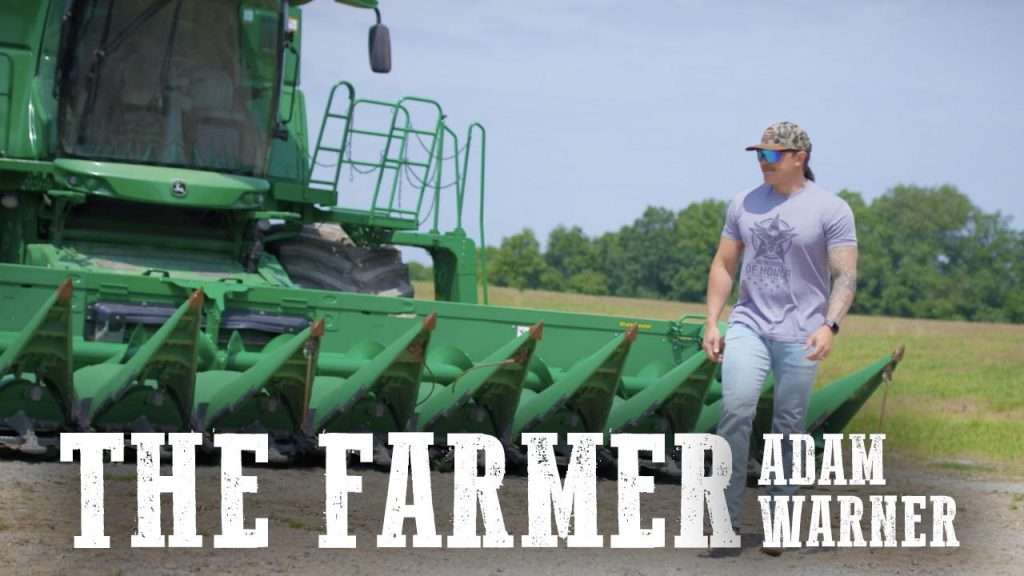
{"type": "Point", "coordinates": [409, 174]}
{"type": "Point", "coordinates": [352, 168]}
{"type": "Point", "coordinates": [428, 213]}
{"type": "Point", "coordinates": [312, 161]}
{"type": "Point", "coordinates": [445, 159]}
{"type": "Point", "coordinates": [419, 183]}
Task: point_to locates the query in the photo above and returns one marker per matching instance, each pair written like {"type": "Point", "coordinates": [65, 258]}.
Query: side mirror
{"type": "Point", "coordinates": [380, 47]}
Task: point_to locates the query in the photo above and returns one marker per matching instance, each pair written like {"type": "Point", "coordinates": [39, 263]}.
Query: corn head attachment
{"type": "Point", "coordinates": [358, 363]}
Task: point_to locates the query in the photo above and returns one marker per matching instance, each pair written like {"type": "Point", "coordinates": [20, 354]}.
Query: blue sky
{"type": "Point", "coordinates": [596, 109]}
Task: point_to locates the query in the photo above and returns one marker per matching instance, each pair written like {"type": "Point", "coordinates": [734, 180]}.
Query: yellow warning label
{"type": "Point", "coordinates": [624, 324]}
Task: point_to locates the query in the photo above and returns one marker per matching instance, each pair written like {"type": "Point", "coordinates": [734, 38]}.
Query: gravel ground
{"type": "Point", "coordinates": [39, 517]}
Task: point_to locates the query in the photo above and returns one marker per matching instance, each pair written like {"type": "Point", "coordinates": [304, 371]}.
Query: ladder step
{"type": "Point", "coordinates": [373, 133]}
{"type": "Point", "coordinates": [398, 211]}
{"type": "Point", "coordinates": [415, 131]}
{"type": "Point", "coordinates": [364, 163]}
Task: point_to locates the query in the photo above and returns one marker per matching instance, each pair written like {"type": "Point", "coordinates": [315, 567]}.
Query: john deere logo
{"type": "Point", "coordinates": [178, 189]}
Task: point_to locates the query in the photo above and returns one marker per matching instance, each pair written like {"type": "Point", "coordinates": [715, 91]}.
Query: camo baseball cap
{"type": "Point", "coordinates": [783, 136]}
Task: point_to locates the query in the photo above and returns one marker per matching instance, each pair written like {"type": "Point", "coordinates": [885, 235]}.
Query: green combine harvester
{"type": "Point", "coordinates": [175, 257]}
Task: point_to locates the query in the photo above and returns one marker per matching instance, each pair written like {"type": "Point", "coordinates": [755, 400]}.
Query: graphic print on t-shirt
{"type": "Point", "coordinates": [771, 240]}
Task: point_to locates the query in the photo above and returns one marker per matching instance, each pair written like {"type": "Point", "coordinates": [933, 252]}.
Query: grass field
{"type": "Point", "coordinates": [957, 399]}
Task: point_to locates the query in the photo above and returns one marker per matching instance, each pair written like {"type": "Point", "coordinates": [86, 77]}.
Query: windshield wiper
{"type": "Point", "coordinates": [109, 47]}
{"type": "Point", "coordinates": [165, 65]}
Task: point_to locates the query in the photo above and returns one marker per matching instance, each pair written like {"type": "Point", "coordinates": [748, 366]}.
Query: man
{"type": "Point", "coordinates": [798, 249]}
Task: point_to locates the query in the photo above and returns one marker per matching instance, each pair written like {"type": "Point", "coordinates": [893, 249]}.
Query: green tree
{"type": "Point", "coordinates": [984, 269]}
{"type": "Point", "coordinates": [588, 282]}
{"type": "Point", "coordinates": [648, 261]}
{"type": "Point", "coordinates": [1014, 304]}
{"type": "Point", "coordinates": [872, 266]}
{"type": "Point", "coordinates": [696, 232]}
{"type": "Point", "coordinates": [919, 227]}
{"type": "Point", "coordinates": [929, 252]}
{"type": "Point", "coordinates": [420, 273]}
{"type": "Point", "coordinates": [570, 251]}
{"type": "Point", "coordinates": [575, 259]}
{"type": "Point", "coordinates": [487, 257]}
{"type": "Point", "coordinates": [611, 263]}
{"type": "Point", "coordinates": [518, 262]}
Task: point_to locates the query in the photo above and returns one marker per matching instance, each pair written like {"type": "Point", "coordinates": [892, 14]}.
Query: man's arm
{"type": "Point", "coordinates": [843, 262]}
{"type": "Point", "coordinates": [720, 280]}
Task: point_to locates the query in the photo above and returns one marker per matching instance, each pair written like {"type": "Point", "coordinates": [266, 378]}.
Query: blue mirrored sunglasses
{"type": "Point", "coordinates": [769, 156]}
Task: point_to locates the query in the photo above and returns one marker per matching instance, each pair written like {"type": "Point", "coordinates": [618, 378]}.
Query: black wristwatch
{"type": "Point", "coordinates": [833, 326]}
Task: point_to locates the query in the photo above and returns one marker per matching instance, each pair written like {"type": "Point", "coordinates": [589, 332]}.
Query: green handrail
{"type": "Point", "coordinates": [483, 157]}
{"type": "Point", "coordinates": [437, 135]}
{"type": "Point", "coordinates": [323, 126]}
{"type": "Point", "coordinates": [397, 133]}
{"type": "Point", "coordinates": [395, 156]}
{"type": "Point", "coordinates": [460, 179]}
{"type": "Point", "coordinates": [396, 108]}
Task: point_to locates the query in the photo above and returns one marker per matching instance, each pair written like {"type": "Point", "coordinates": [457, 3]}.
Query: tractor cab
{"type": "Point", "coordinates": [184, 83]}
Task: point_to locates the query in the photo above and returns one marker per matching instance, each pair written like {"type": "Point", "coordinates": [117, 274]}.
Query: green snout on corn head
{"type": "Point", "coordinates": [173, 257]}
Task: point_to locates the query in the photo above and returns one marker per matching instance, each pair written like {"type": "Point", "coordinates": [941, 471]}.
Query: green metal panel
{"type": "Point", "coordinates": [36, 393]}
{"type": "Point", "coordinates": [6, 93]}
{"type": "Point", "coordinates": [289, 167]}
{"type": "Point", "coordinates": [156, 184]}
{"type": "Point", "coordinates": [359, 3]}
{"type": "Point", "coordinates": [143, 255]}
{"type": "Point", "coordinates": [22, 26]}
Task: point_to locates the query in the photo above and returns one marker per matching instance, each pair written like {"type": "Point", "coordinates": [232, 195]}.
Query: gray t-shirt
{"type": "Point", "coordinates": [785, 277]}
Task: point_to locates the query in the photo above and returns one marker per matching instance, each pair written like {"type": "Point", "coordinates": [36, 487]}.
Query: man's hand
{"type": "Point", "coordinates": [819, 343]}
{"type": "Point", "coordinates": [713, 342]}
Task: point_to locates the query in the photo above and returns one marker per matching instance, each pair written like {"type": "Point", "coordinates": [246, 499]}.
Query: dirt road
{"type": "Point", "coordinates": [39, 517]}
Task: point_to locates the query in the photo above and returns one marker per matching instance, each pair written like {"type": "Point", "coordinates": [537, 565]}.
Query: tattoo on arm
{"type": "Point", "coordinates": [843, 262]}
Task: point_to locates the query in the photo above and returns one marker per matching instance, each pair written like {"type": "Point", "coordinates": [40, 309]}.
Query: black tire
{"type": "Point", "coordinates": [324, 258]}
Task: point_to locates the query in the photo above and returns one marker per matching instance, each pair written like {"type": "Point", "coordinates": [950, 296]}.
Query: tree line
{"type": "Point", "coordinates": [925, 252]}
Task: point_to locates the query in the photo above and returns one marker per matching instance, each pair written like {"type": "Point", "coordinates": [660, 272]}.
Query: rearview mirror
{"type": "Point", "coordinates": [380, 47]}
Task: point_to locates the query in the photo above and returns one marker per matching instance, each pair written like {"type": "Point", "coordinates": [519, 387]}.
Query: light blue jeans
{"type": "Point", "coordinates": [748, 359]}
